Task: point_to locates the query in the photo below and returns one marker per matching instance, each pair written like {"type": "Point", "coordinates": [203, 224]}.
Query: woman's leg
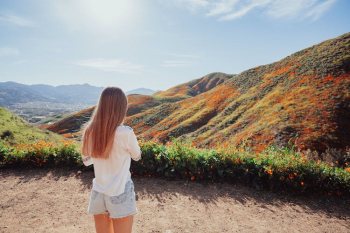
{"type": "Point", "coordinates": [123, 225]}
{"type": "Point", "coordinates": [103, 223]}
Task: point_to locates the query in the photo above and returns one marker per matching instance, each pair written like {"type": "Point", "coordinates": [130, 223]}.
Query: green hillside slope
{"type": "Point", "coordinates": [18, 131]}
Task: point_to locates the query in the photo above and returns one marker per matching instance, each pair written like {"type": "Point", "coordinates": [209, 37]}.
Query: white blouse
{"type": "Point", "coordinates": [112, 174]}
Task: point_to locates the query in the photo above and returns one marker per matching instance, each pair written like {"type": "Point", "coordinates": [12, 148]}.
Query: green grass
{"type": "Point", "coordinates": [53, 118]}
{"type": "Point", "coordinates": [170, 99]}
{"type": "Point", "coordinates": [17, 130]}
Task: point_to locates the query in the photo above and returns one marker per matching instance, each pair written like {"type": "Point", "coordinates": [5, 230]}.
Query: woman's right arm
{"type": "Point", "coordinates": [87, 160]}
{"type": "Point", "coordinates": [134, 148]}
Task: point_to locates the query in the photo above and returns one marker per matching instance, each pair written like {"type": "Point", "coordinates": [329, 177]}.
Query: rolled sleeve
{"type": "Point", "coordinates": [87, 160]}
{"type": "Point", "coordinates": [134, 148]}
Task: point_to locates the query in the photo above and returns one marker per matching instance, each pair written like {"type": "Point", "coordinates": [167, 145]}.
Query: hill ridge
{"type": "Point", "coordinates": [137, 104]}
{"type": "Point", "coordinates": [327, 62]}
{"type": "Point", "coordinates": [13, 92]}
{"type": "Point", "coordinates": [303, 98]}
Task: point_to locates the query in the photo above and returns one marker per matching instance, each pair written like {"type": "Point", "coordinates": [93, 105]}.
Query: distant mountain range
{"type": "Point", "coordinates": [303, 98]}
{"type": "Point", "coordinates": [140, 91]}
{"type": "Point", "coordinates": [12, 93]}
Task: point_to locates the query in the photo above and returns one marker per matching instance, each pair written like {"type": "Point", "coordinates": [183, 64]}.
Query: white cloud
{"type": "Point", "coordinates": [192, 5]}
{"type": "Point", "coordinates": [114, 65]}
{"type": "Point", "coordinates": [177, 63]}
{"type": "Point", "coordinates": [183, 55]}
{"type": "Point", "coordinates": [317, 11]}
{"type": "Point", "coordinates": [5, 51]}
{"type": "Point", "coordinates": [195, 3]}
{"type": "Point", "coordinates": [25, 62]}
{"type": "Point", "coordinates": [190, 60]}
{"type": "Point", "coordinates": [232, 9]}
{"type": "Point", "coordinates": [244, 10]}
{"type": "Point", "coordinates": [280, 8]}
{"type": "Point", "coordinates": [222, 7]}
{"type": "Point", "coordinates": [16, 20]}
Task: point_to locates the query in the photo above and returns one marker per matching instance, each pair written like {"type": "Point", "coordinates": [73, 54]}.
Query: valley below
{"type": "Point", "coordinates": [44, 112]}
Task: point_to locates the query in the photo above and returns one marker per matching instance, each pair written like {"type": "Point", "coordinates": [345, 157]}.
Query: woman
{"type": "Point", "coordinates": [110, 145]}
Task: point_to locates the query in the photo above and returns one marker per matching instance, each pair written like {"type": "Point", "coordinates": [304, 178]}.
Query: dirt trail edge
{"type": "Point", "coordinates": [56, 200]}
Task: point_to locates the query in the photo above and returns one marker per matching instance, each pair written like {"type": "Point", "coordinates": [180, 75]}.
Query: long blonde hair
{"type": "Point", "coordinates": [99, 131]}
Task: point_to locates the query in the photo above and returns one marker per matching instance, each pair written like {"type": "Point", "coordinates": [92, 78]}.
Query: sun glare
{"type": "Point", "coordinates": [109, 13]}
{"type": "Point", "coordinates": [107, 16]}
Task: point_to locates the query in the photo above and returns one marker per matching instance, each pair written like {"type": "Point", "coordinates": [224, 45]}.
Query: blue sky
{"type": "Point", "coordinates": [156, 44]}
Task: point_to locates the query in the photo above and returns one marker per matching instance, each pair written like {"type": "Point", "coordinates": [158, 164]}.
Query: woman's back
{"type": "Point", "coordinates": [111, 174]}
{"type": "Point", "coordinates": [109, 146]}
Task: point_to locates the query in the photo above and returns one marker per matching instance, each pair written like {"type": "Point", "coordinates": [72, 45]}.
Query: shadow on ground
{"type": "Point", "coordinates": [203, 192]}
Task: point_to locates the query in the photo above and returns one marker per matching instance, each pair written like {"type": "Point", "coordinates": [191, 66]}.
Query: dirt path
{"type": "Point", "coordinates": [56, 201]}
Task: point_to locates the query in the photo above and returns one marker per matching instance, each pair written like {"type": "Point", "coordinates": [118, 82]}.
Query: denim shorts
{"type": "Point", "coordinates": [117, 206]}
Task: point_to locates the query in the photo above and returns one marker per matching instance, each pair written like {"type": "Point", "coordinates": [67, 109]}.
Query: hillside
{"type": "Point", "coordinates": [70, 124]}
{"type": "Point", "coordinates": [304, 96]}
{"type": "Point", "coordinates": [140, 103]}
{"type": "Point", "coordinates": [53, 118]}
{"type": "Point", "coordinates": [19, 131]}
{"type": "Point", "coordinates": [195, 87]}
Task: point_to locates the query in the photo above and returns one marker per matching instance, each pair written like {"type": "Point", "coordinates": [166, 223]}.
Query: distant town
{"type": "Point", "coordinates": [42, 112]}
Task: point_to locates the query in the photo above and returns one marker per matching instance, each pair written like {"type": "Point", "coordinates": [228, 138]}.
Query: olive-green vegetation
{"type": "Point", "coordinates": [16, 130]}
{"type": "Point", "coordinates": [52, 119]}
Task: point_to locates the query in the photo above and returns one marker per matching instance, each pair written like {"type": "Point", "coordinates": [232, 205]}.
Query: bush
{"type": "Point", "coordinates": [285, 171]}
{"type": "Point", "coordinates": [6, 134]}
{"type": "Point", "coordinates": [273, 169]}
{"type": "Point", "coordinates": [42, 154]}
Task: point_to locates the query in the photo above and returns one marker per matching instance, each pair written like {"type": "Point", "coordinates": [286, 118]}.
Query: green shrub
{"type": "Point", "coordinates": [42, 154]}
{"type": "Point", "coordinates": [273, 169]}
{"type": "Point", "coordinates": [285, 171]}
